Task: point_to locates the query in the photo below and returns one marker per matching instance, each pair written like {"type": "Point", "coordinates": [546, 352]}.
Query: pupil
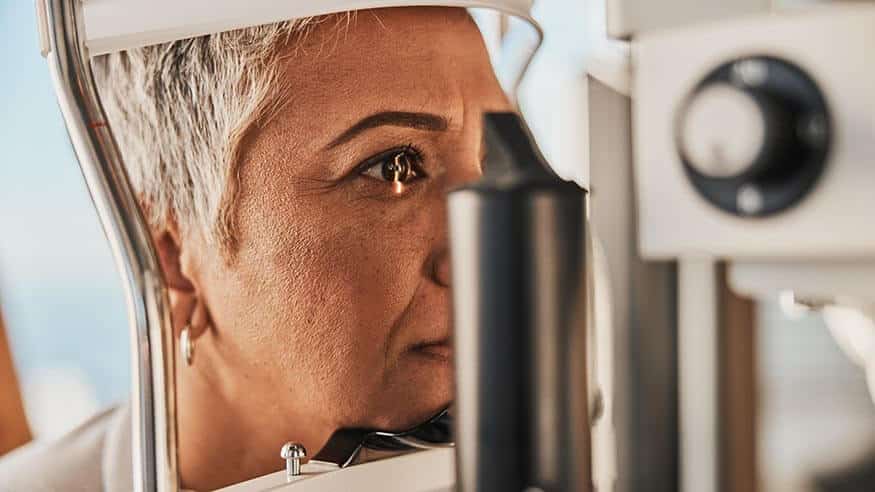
{"type": "Point", "coordinates": [397, 168]}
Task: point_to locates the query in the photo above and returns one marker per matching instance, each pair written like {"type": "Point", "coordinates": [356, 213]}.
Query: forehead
{"type": "Point", "coordinates": [387, 59]}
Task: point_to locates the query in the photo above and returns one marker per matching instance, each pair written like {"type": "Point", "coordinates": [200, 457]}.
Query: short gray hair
{"type": "Point", "coordinates": [180, 112]}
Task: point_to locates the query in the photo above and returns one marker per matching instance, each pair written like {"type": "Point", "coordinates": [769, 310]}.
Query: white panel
{"type": "Point", "coordinates": [116, 25]}
{"type": "Point", "coordinates": [607, 60]}
{"type": "Point", "coordinates": [835, 45]}
{"type": "Point", "coordinates": [610, 63]}
{"type": "Point", "coordinates": [809, 279]}
{"type": "Point", "coordinates": [631, 17]}
{"type": "Point", "coordinates": [422, 471]}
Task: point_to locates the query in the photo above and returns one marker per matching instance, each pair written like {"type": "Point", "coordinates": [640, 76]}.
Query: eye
{"type": "Point", "coordinates": [398, 167]}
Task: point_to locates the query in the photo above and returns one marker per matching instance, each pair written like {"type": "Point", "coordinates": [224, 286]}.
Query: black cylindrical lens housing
{"type": "Point", "coordinates": [518, 248]}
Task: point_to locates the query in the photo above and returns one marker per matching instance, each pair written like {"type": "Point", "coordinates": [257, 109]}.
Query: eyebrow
{"type": "Point", "coordinates": [418, 121]}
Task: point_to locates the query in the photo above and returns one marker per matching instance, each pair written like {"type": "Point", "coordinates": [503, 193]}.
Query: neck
{"type": "Point", "coordinates": [229, 435]}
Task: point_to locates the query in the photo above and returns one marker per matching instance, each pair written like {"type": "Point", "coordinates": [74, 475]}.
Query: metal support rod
{"type": "Point", "coordinates": [152, 392]}
{"type": "Point", "coordinates": [699, 376]}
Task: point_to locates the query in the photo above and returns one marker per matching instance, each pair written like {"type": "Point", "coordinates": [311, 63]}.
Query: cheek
{"type": "Point", "coordinates": [330, 278]}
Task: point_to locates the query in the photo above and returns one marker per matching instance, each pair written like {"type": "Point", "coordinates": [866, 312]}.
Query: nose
{"type": "Point", "coordinates": [438, 266]}
{"type": "Point", "coordinates": [441, 268]}
{"type": "Point", "coordinates": [468, 170]}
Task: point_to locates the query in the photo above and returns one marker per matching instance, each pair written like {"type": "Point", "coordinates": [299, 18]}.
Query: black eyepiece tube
{"type": "Point", "coordinates": [518, 244]}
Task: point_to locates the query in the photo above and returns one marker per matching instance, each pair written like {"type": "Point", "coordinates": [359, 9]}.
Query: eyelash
{"type": "Point", "coordinates": [388, 157]}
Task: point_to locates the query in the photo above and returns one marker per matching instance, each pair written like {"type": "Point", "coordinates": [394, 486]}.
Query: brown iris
{"type": "Point", "coordinates": [398, 170]}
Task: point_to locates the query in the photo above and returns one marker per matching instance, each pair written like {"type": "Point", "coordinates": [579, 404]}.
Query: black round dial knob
{"type": "Point", "coordinates": [754, 136]}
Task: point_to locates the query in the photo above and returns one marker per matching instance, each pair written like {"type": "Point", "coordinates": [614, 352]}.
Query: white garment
{"type": "Point", "coordinates": [94, 457]}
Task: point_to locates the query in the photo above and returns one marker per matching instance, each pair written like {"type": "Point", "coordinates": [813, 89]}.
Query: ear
{"type": "Point", "coordinates": [186, 308]}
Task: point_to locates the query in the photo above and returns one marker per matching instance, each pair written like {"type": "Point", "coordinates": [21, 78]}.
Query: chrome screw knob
{"type": "Point", "coordinates": [293, 453]}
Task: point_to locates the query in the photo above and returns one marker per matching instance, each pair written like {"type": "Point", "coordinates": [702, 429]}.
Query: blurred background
{"type": "Point", "coordinates": [59, 289]}
{"type": "Point", "coordinates": [64, 311]}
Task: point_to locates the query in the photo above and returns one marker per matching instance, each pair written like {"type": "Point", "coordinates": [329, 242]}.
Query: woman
{"type": "Point", "coordinates": [294, 177]}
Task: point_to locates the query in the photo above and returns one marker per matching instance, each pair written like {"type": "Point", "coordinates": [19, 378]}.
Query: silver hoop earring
{"type": "Point", "coordinates": [186, 345]}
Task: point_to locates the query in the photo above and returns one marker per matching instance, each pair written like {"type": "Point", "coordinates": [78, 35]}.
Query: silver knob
{"type": "Point", "coordinates": [293, 453]}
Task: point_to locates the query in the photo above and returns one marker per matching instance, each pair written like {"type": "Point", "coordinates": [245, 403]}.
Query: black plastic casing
{"type": "Point", "coordinates": [518, 247]}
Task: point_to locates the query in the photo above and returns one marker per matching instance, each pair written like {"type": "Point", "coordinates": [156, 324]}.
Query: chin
{"type": "Point", "coordinates": [424, 388]}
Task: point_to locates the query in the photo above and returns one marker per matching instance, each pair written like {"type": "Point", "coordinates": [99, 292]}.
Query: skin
{"type": "Point", "coordinates": [334, 311]}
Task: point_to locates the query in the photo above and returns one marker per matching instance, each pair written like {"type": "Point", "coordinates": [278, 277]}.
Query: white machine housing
{"type": "Point", "coordinates": [628, 17]}
{"type": "Point", "coordinates": [116, 25]}
{"type": "Point", "coordinates": [822, 247]}
{"type": "Point", "coordinates": [433, 471]}
{"type": "Point", "coordinates": [835, 45]}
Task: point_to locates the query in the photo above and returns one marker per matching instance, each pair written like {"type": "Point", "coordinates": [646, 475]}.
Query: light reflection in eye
{"type": "Point", "coordinates": [397, 167]}
{"type": "Point", "coordinates": [400, 168]}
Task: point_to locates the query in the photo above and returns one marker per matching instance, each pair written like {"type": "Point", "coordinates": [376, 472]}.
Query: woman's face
{"type": "Point", "coordinates": [334, 311]}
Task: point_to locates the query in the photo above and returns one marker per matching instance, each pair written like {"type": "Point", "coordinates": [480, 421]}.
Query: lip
{"type": "Point", "coordinates": [441, 350]}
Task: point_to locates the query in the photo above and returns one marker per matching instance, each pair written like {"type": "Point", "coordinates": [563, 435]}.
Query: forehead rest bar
{"type": "Point", "coordinates": [118, 25]}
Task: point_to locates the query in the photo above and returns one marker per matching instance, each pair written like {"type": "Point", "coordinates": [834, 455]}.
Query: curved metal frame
{"type": "Point", "coordinates": [153, 402]}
